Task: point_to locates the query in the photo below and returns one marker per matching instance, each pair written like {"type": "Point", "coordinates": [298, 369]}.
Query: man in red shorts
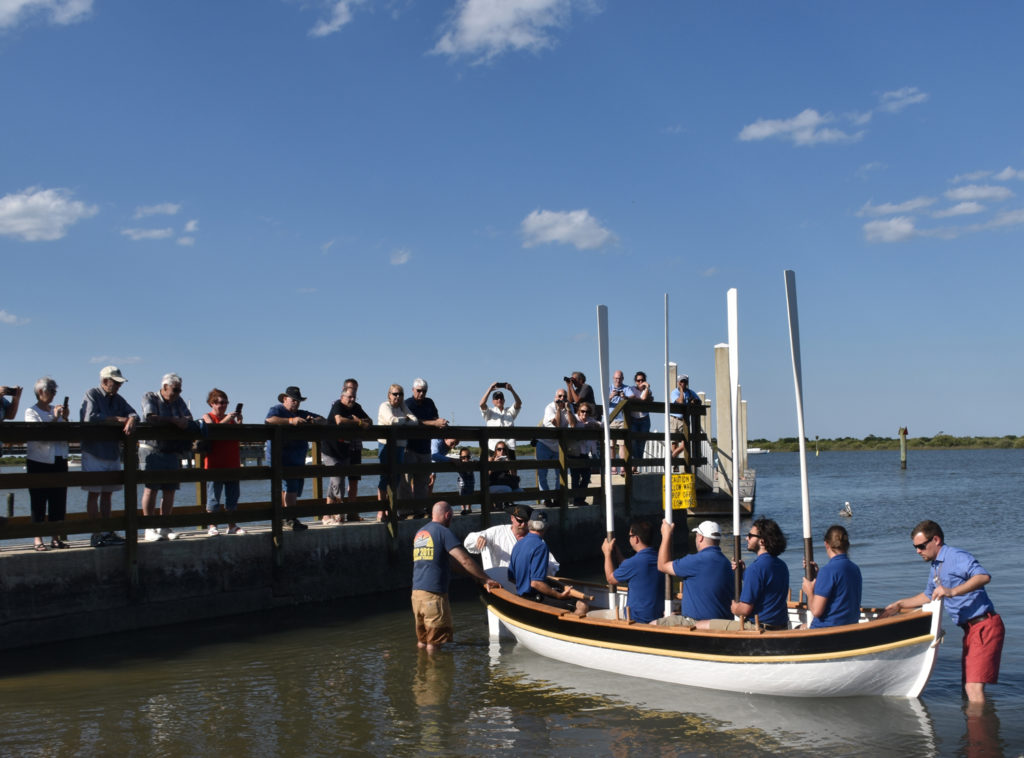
{"type": "Point", "coordinates": [957, 576]}
{"type": "Point", "coordinates": [432, 548]}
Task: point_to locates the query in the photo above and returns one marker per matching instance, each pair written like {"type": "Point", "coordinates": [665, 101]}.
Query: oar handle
{"type": "Point", "coordinates": [573, 592]}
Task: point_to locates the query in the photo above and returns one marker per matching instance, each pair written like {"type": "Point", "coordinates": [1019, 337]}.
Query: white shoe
{"type": "Point", "coordinates": [169, 535]}
{"type": "Point", "coordinates": [212, 531]}
{"type": "Point", "coordinates": [154, 535]}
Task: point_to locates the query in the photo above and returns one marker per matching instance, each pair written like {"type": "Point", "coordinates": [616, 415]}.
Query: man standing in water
{"type": "Point", "coordinates": [431, 576]}
{"type": "Point", "coordinates": [957, 576]}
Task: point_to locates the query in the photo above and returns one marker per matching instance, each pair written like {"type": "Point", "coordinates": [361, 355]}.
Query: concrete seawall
{"type": "Point", "coordinates": [83, 592]}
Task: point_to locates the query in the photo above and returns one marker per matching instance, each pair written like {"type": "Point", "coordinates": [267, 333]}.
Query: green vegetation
{"type": "Point", "coordinates": [940, 441]}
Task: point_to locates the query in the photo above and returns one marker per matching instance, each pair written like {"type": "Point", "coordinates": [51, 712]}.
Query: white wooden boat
{"type": "Point", "coordinates": [892, 656]}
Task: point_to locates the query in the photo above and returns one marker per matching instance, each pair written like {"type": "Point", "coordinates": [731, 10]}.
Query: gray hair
{"type": "Point", "coordinates": [171, 380]}
{"type": "Point", "coordinates": [418, 383]}
{"type": "Point", "coordinates": [46, 383]}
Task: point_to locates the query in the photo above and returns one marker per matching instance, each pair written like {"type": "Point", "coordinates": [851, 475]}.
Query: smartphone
{"type": "Point", "coordinates": [238, 409]}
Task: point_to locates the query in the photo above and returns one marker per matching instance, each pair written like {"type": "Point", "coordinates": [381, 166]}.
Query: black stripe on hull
{"type": "Point", "coordinates": [836, 641]}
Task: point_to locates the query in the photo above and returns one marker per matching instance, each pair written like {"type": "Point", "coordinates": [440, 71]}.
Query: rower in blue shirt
{"type": "Point", "coordinates": [833, 596]}
{"type": "Point", "coordinates": [639, 572]}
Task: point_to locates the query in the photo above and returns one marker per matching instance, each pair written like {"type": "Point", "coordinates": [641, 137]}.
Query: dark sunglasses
{"type": "Point", "coordinates": [922, 546]}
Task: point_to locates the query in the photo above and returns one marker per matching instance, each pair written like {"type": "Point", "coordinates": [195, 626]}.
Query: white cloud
{"type": "Point", "coordinates": [865, 171]}
{"type": "Point", "coordinates": [41, 214]}
{"type": "Point", "coordinates": [1007, 218]}
{"type": "Point", "coordinates": [160, 209]}
{"type": "Point", "coordinates": [147, 234]}
{"type": "Point", "coordinates": [400, 257]}
{"type": "Point", "coordinates": [186, 241]}
{"type": "Point", "coordinates": [115, 360]}
{"type": "Point", "coordinates": [973, 176]}
{"type": "Point", "coordinates": [11, 319]}
{"type": "Point", "coordinates": [960, 209]}
{"type": "Point", "coordinates": [897, 100]}
{"type": "Point", "coordinates": [192, 226]}
{"type": "Point", "coordinates": [327, 246]}
{"type": "Point", "coordinates": [488, 28]}
{"type": "Point", "coordinates": [1009, 173]}
{"type": "Point", "coordinates": [341, 14]}
{"type": "Point", "coordinates": [806, 128]}
{"type": "Point", "coordinates": [577, 228]}
{"type": "Point", "coordinates": [886, 209]}
{"type": "Point", "coordinates": [61, 12]}
{"type": "Point", "coordinates": [979, 192]}
{"type": "Point", "coordinates": [891, 230]}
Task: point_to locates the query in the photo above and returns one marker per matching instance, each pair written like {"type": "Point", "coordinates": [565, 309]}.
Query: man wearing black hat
{"type": "Point", "coordinates": [495, 545]}
{"type": "Point", "coordinates": [287, 411]}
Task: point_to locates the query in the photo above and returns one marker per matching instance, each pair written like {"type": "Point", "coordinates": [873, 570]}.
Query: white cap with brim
{"type": "Point", "coordinates": [112, 372]}
{"type": "Point", "coordinates": [709, 530]}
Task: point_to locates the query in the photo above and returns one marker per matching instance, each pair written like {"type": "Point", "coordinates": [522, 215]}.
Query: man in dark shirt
{"type": "Point", "coordinates": [432, 549]}
{"type": "Point", "coordinates": [418, 451]}
{"type": "Point", "coordinates": [345, 412]}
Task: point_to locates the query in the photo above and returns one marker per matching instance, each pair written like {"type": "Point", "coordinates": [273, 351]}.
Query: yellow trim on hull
{"type": "Point", "coordinates": [926, 638]}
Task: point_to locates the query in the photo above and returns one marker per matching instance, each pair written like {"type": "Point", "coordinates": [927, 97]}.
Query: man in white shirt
{"type": "Point", "coordinates": [495, 544]}
{"type": "Point", "coordinates": [498, 414]}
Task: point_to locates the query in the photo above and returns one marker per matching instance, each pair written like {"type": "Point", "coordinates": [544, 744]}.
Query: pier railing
{"type": "Point", "coordinates": [395, 502]}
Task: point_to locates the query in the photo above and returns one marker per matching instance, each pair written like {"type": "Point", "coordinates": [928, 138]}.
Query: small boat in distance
{"type": "Point", "coordinates": [758, 451]}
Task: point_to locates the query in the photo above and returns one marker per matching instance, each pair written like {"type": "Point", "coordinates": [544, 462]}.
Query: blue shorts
{"type": "Point", "coordinates": [157, 461]}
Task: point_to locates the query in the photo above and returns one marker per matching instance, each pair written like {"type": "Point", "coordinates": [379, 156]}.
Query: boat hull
{"type": "Point", "coordinates": [892, 657]}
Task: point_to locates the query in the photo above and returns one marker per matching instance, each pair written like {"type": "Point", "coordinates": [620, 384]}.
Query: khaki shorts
{"type": "Point", "coordinates": [433, 614]}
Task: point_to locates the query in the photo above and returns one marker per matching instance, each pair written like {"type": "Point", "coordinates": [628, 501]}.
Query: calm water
{"type": "Point", "coordinates": [346, 678]}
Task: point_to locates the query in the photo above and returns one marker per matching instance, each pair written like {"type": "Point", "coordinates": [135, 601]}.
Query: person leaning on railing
{"type": "Point", "coordinates": [287, 411]}
{"type": "Point", "coordinates": [103, 405]}
{"type": "Point", "coordinates": [47, 458]}
{"type": "Point", "coordinates": [392, 411]}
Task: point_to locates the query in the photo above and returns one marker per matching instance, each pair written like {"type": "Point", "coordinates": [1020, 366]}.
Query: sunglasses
{"type": "Point", "coordinates": [751, 535]}
{"type": "Point", "coordinates": [922, 546]}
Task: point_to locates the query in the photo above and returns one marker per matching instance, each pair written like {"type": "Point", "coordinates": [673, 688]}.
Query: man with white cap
{"type": "Point", "coordinates": [495, 544]}
{"type": "Point", "coordinates": [707, 575]}
{"type": "Point", "coordinates": [103, 405]}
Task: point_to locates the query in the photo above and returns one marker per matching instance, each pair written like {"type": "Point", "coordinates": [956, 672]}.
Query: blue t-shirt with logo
{"type": "Point", "coordinates": [431, 570]}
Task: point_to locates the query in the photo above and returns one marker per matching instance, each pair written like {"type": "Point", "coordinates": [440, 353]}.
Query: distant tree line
{"type": "Point", "coordinates": [940, 441]}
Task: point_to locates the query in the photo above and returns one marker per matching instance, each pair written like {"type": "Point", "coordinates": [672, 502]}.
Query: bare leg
{"type": "Point", "coordinates": [975, 692]}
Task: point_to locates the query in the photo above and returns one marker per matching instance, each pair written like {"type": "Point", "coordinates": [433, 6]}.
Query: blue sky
{"type": "Point", "coordinates": [280, 192]}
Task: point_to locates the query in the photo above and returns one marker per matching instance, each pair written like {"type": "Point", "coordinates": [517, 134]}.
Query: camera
{"type": "Point", "coordinates": [566, 379]}
{"type": "Point", "coordinates": [502, 385]}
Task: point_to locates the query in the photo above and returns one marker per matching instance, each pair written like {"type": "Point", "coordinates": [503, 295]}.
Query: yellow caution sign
{"type": "Point", "coordinates": [684, 493]}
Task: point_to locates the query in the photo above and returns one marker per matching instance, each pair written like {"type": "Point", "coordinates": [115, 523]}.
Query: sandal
{"type": "Point", "coordinates": [58, 544]}
{"type": "Point", "coordinates": [41, 548]}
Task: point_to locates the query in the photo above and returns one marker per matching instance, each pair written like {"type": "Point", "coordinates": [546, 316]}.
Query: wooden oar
{"type": "Point", "coordinates": [734, 380]}
{"type": "Point", "coordinates": [602, 357]}
{"type": "Point", "coordinates": [668, 459]}
{"type": "Point", "coordinates": [794, 348]}
{"type": "Point", "coordinates": [573, 592]}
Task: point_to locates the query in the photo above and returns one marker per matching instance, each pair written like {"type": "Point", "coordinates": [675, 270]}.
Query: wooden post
{"type": "Point", "coordinates": [563, 479]}
{"type": "Point", "coordinates": [10, 505]}
{"type": "Point", "coordinates": [130, 464]}
{"type": "Point", "coordinates": [482, 475]}
{"type": "Point", "coordinates": [903, 447]}
{"type": "Point", "coordinates": [318, 482]}
{"type": "Point", "coordinates": [276, 481]}
{"type": "Point", "coordinates": [391, 495]}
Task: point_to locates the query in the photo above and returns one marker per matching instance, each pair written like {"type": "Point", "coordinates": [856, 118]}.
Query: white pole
{"type": "Point", "coordinates": [798, 384]}
{"type": "Point", "coordinates": [606, 474]}
{"type": "Point", "coordinates": [734, 379]}
{"type": "Point", "coordinates": [668, 433]}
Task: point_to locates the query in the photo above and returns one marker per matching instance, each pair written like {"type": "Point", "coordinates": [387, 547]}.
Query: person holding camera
{"type": "Point", "coordinates": [640, 421]}
{"type": "Point", "coordinates": [556, 414]}
{"type": "Point", "coordinates": [498, 414]}
{"type": "Point", "coordinates": [9, 399]}
{"type": "Point", "coordinates": [579, 391]}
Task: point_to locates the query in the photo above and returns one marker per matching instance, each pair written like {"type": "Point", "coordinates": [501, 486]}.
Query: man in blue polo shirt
{"type": "Point", "coordinates": [528, 569]}
{"type": "Point", "coordinates": [957, 576]}
{"type": "Point", "coordinates": [765, 584]}
{"type": "Point", "coordinates": [640, 572]}
{"type": "Point", "coordinates": [833, 596]}
{"type": "Point", "coordinates": [707, 576]}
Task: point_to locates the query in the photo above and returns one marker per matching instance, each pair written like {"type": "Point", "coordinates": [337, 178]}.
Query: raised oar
{"type": "Point", "coordinates": [734, 381]}
{"type": "Point", "coordinates": [668, 459]}
{"type": "Point", "coordinates": [606, 474]}
{"type": "Point", "coordinates": [798, 383]}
